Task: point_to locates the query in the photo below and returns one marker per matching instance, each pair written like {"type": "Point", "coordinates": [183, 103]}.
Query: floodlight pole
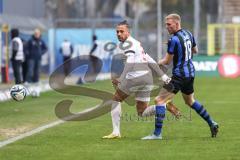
{"type": "Point", "coordinates": [123, 8]}
{"type": "Point", "coordinates": [159, 30]}
{"type": "Point", "coordinates": [196, 19]}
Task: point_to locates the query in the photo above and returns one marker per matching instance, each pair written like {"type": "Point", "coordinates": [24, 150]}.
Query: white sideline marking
{"type": "Point", "coordinates": [34, 131]}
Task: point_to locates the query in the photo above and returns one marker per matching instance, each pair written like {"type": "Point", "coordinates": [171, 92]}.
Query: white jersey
{"type": "Point", "coordinates": [135, 54]}
{"type": "Point", "coordinates": [66, 48]}
{"type": "Point", "coordinates": [137, 76]}
{"type": "Point", "coordinates": [20, 54]}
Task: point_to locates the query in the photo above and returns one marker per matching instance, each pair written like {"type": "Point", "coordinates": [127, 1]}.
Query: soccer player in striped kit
{"type": "Point", "coordinates": [181, 46]}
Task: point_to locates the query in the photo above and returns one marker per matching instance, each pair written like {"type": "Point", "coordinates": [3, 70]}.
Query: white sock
{"type": "Point", "coordinates": [116, 115]}
{"type": "Point", "coordinates": [149, 111]}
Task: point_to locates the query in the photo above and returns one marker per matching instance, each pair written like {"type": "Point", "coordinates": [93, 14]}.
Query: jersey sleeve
{"type": "Point", "coordinates": [150, 59]}
{"type": "Point", "coordinates": [171, 45]}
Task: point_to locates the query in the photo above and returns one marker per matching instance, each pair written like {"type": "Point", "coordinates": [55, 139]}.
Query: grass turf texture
{"type": "Point", "coordinates": [183, 139]}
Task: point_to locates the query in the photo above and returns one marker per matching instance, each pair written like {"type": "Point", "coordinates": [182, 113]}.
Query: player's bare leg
{"type": "Point", "coordinates": [141, 106]}
{"type": "Point", "coordinates": [173, 109]}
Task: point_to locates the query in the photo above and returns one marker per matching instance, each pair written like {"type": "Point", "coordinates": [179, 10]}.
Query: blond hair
{"type": "Point", "coordinates": [37, 30]}
{"type": "Point", "coordinates": [174, 16]}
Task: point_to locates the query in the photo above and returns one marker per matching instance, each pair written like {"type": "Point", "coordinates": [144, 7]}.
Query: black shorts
{"type": "Point", "coordinates": [184, 84]}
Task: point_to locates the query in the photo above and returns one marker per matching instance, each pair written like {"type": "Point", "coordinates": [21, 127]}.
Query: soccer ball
{"type": "Point", "coordinates": [18, 92]}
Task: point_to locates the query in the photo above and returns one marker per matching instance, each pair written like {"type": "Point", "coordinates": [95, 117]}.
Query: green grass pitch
{"type": "Point", "coordinates": [183, 139]}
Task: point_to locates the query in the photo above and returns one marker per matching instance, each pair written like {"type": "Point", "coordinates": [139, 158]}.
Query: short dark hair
{"type": "Point", "coordinates": [94, 37]}
{"type": "Point", "coordinates": [14, 32]}
{"type": "Point", "coordinates": [124, 23]}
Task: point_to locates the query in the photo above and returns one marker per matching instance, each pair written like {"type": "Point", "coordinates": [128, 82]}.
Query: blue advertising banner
{"type": "Point", "coordinates": [81, 40]}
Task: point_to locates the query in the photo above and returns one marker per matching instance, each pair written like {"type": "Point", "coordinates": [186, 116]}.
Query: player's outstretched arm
{"type": "Point", "coordinates": [160, 73]}
{"type": "Point", "coordinates": [166, 60]}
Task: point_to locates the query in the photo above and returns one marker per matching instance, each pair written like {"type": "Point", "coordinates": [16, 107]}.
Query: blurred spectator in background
{"type": "Point", "coordinates": [36, 47]}
{"type": "Point", "coordinates": [93, 58]}
{"type": "Point", "coordinates": [17, 55]}
{"type": "Point", "coordinates": [95, 63]}
{"type": "Point", "coordinates": [66, 50]}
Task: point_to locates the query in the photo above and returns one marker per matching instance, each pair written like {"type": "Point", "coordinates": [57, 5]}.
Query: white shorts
{"type": "Point", "coordinates": [140, 86]}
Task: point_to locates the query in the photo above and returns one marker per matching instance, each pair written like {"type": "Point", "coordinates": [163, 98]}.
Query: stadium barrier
{"type": "Point", "coordinates": [227, 65]}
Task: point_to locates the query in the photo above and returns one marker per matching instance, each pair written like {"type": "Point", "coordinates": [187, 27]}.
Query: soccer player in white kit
{"type": "Point", "coordinates": [136, 78]}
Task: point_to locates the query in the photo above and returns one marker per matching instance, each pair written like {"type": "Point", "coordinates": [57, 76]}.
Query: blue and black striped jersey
{"type": "Point", "coordinates": [180, 46]}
